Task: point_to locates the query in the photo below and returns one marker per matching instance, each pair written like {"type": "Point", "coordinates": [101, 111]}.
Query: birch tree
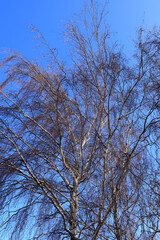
{"type": "Point", "coordinates": [79, 145]}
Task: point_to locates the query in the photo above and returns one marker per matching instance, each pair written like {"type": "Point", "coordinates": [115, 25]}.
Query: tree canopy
{"type": "Point", "coordinates": [79, 145]}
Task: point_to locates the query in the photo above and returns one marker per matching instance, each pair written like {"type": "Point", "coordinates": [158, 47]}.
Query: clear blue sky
{"type": "Point", "coordinates": [125, 16]}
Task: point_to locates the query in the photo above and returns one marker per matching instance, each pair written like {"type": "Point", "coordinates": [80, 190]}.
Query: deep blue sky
{"type": "Point", "coordinates": [125, 16]}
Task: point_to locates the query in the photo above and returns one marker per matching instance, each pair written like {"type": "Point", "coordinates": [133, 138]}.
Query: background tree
{"type": "Point", "coordinates": [78, 146]}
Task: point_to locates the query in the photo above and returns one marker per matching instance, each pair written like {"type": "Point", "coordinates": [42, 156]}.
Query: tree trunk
{"type": "Point", "coordinates": [74, 209]}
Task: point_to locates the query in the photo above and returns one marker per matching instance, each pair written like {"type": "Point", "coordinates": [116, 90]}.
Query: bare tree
{"type": "Point", "coordinates": [78, 146]}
